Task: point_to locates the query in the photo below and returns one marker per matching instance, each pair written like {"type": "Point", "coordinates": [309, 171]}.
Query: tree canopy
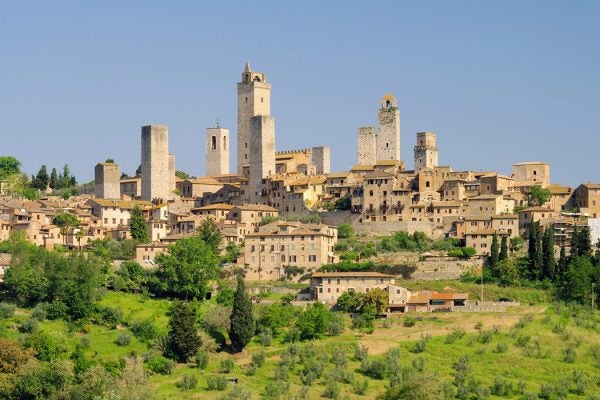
{"type": "Point", "coordinates": [242, 319]}
{"type": "Point", "coordinates": [539, 196]}
{"type": "Point", "coordinates": [9, 166]}
{"type": "Point", "coordinates": [138, 226]}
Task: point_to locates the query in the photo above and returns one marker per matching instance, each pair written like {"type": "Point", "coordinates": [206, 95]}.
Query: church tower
{"type": "Point", "coordinates": [388, 137]}
{"type": "Point", "coordinates": [254, 99]}
{"type": "Point", "coordinates": [217, 151]}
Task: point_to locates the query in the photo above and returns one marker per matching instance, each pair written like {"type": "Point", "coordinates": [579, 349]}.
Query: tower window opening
{"type": "Point", "coordinates": [387, 145]}
{"type": "Point", "coordinates": [388, 104]}
{"type": "Point", "coordinates": [224, 142]}
{"type": "Point", "coordinates": [246, 145]}
{"type": "Point", "coordinates": [256, 79]}
{"type": "Point", "coordinates": [245, 99]}
{"type": "Point", "coordinates": [261, 100]}
{"type": "Point", "coordinates": [213, 142]}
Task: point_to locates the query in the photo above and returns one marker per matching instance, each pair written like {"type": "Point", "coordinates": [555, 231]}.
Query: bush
{"type": "Point", "coordinates": [57, 310]}
{"type": "Point", "coordinates": [30, 325]}
{"type": "Point", "coordinates": [7, 310]}
{"type": "Point", "coordinates": [569, 354]}
{"type": "Point", "coordinates": [374, 369]}
{"type": "Point", "coordinates": [501, 387]}
{"type": "Point", "coordinates": [360, 386]}
{"type": "Point", "coordinates": [265, 337]}
{"type": "Point", "coordinates": [501, 348]}
{"type": "Point", "coordinates": [485, 336]}
{"type": "Point", "coordinates": [216, 382]}
{"type": "Point", "coordinates": [420, 345]}
{"type": "Point", "coordinates": [332, 389]}
{"type": "Point", "coordinates": [144, 330]}
{"type": "Point", "coordinates": [202, 359]}
{"type": "Point", "coordinates": [123, 339]}
{"type": "Point", "coordinates": [112, 316]}
{"type": "Point", "coordinates": [188, 382]}
{"type": "Point", "coordinates": [226, 365]}
{"type": "Point", "coordinates": [409, 321]}
{"type": "Point", "coordinates": [457, 333]}
{"type": "Point", "coordinates": [361, 353]}
{"type": "Point", "coordinates": [251, 370]}
{"type": "Point", "coordinates": [274, 390]}
{"type": "Point", "coordinates": [160, 365]}
{"type": "Point", "coordinates": [39, 312]}
{"type": "Point", "coordinates": [259, 358]}
{"type": "Point", "coordinates": [336, 325]}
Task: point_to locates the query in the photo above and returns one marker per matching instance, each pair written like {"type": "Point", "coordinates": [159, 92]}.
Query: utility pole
{"type": "Point", "coordinates": [593, 296]}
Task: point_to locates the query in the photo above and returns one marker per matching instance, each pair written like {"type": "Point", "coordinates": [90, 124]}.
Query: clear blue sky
{"type": "Point", "coordinates": [499, 82]}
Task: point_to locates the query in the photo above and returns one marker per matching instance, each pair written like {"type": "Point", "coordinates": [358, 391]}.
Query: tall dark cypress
{"type": "Point", "coordinates": [503, 248]}
{"type": "Point", "coordinates": [533, 250]}
{"type": "Point", "coordinates": [242, 319]}
{"type": "Point", "coordinates": [493, 262]}
{"type": "Point", "coordinates": [549, 262]}
{"type": "Point", "coordinates": [183, 340]}
{"type": "Point", "coordinates": [562, 263]}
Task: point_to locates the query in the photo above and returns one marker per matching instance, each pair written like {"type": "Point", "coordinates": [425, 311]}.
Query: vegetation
{"type": "Point", "coordinates": [242, 318]}
{"type": "Point", "coordinates": [138, 227]}
{"type": "Point", "coordinates": [183, 340]}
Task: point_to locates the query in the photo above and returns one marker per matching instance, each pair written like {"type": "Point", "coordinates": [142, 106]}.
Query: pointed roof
{"type": "Point", "coordinates": [247, 67]}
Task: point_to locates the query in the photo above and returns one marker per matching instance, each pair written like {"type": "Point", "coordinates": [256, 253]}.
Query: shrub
{"type": "Point", "coordinates": [501, 348]}
{"type": "Point", "coordinates": [216, 382]}
{"type": "Point", "coordinates": [523, 321]}
{"type": "Point", "coordinates": [274, 390]}
{"type": "Point", "coordinates": [226, 365]}
{"type": "Point", "coordinates": [259, 358]}
{"type": "Point", "coordinates": [265, 337]}
{"type": "Point", "coordinates": [57, 310]}
{"type": "Point", "coordinates": [361, 353]}
{"type": "Point", "coordinates": [39, 312]}
{"type": "Point", "coordinates": [420, 345]}
{"type": "Point", "coordinates": [188, 382]}
{"type": "Point", "coordinates": [144, 330]}
{"type": "Point", "coordinates": [569, 354]}
{"type": "Point", "coordinates": [251, 370]}
{"type": "Point", "coordinates": [112, 316]}
{"type": "Point", "coordinates": [457, 333]}
{"type": "Point", "coordinates": [7, 310]}
{"type": "Point", "coordinates": [202, 359]}
{"type": "Point", "coordinates": [30, 325]}
{"type": "Point", "coordinates": [292, 335]}
{"type": "Point", "coordinates": [409, 321]}
{"type": "Point", "coordinates": [522, 340]}
{"type": "Point", "coordinates": [336, 325]}
{"type": "Point", "coordinates": [374, 369]}
{"type": "Point", "coordinates": [419, 364]}
{"type": "Point", "coordinates": [485, 336]}
{"type": "Point", "coordinates": [501, 387]}
{"type": "Point", "coordinates": [123, 339]}
{"type": "Point", "coordinates": [160, 365]}
{"type": "Point", "coordinates": [332, 389]}
{"type": "Point", "coordinates": [85, 342]}
{"type": "Point", "coordinates": [360, 386]}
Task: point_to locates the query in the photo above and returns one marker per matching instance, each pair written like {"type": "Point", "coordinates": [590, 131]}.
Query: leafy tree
{"type": "Point", "coordinates": [12, 356]}
{"type": "Point", "coordinates": [345, 231]}
{"type": "Point", "coordinates": [138, 226]}
{"type": "Point", "coordinates": [313, 322]}
{"type": "Point", "coordinates": [183, 339]}
{"type": "Point", "coordinates": [65, 221]}
{"type": "Point", "coordinates": [109, 161]}
{"type": "Point", "coordinates": [209, 232]}
{"type": "Point", "coordinates": [186, 270]}
{"type": "Point", "coordinates": [578, 280]}
{"type": "Point", "coordinates": [182, 175]}
{"type": "Point", "coordinates": [503, 248]}
{"type": "Point", "coordinates": [539, 196]}
{"type": "Point", "coordinates": [9, 166]}
{"type": "Point", "coordinates": [350, 302]}
{"type": "Point", "coordinates": [242, 319]}
{"type": "Point", "coordinates": [138, 170]}
{"type": "Point", "coordinates": [232, 252]}
{"type": "Point", "coordinates": [18, 185]}
{"type": "Point", "coordinates": [276, 316]}
{"type": "Point", "coordinates": [41, 180]}
{"type": "Point", "coordinates": [376, 300]}
{"type": "Point", "coordinates": [133, 274]}
{"type": "Point", "coordinates": [343, 203]}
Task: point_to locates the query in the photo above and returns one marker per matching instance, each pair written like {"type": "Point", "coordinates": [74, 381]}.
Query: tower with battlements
{"type": "Point", "coordinates": [388, 137]}
{"type": "Point", "coordinates": [254, 99]}
{"type": "Point", "coordinates": [367, 145]}
{"type": "Point", "coordinates": [426, 151]}
{"type": "Point", "coordinates": [262, 157]}
{"type": "Point", "coordinates": [107, 180]}
{"type": "Point", "coordinates": [217, 151]}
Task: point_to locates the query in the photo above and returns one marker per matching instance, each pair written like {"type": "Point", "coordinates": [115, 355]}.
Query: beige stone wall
{"type": "Point", "coordinates": [536, 173]}
{"type": "Point", "coordinates": [426, 152]}
{"type": "Point", "coordinates": [107, 177]}
{"type": "Point", "coordinates": [155, 162]}
{"type": "Point", "coordinates": [367, 145]}
{"type": "Point", "coordinates": [254, 98]}
{"type": "Point", "coordinates": [328, 290]}
{"type": "Point", "coordinates": [172, 180]}
{"type": "Point", "coordinates": [217, 151]}
{"type": "Point", "coordinates": [388, 137]}
{"type": "Point", "coordinates": [262, 157]}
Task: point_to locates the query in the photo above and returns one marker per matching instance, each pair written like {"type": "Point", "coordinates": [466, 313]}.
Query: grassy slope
{"type": "Point", "coordinates": [486, 364]}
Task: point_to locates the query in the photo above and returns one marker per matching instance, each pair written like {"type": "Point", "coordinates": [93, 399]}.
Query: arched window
{"type": "Point", "coordinates": [213, 142]}
{"type": "Point", "coordinates": [256, 79]}
{"type": "Point", "coordinates": [388, 104]}
{"type": "Point", "coordinates": [224, 142]}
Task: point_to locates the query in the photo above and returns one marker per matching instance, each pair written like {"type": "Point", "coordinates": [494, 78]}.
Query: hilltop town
{"type": "Point", "coordinates": [263, 203]}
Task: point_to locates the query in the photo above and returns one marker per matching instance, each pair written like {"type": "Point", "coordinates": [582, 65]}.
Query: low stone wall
{"type": "Point", "coordinates": [445, 268]}
{"type": "Point", "coordinates": [486, 306]}
{"type": "Point", "coordinates": [389, 227]}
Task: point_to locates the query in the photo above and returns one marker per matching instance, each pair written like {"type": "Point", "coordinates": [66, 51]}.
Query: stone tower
{"type": "Point", "coordinates": [217, 151]}
{"type": "Point", "coordinates": [388, 137]}
{"type": "Point", "coordinates": [321, 159]}
{"type": "Point", "coordinates": [172, 180]}
{"type": "Point", "coordinates": [155, 163]}
{"type": "Point", "coordinates": [262, 157]}
{"type": "Point", "coordinates": [254, 98]}
{"type": "Point", "coordinates": [426, 152]}
{"type": "Point", "coordinates": [367, 145]}
{"type": "Point", "coordinates": [107, 178]}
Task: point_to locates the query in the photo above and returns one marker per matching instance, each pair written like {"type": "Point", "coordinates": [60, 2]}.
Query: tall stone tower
{"type": "Point", "coordinates": [254, 98]}
{"type": "Point", "coordinates": [388, 138]}
{"type": "Point", "coordinates": [217, 151]}
{"type": "Point", "coordinates": [155, 163]}
{"type": "Point", "coordinates": [172, 180]}
{"type": "Point", "coordinates": [321, 158]}
{"type": "Point", "coordinates": [107, 178]}
{"type": "Point", "coordinates": [367, 145]}
{"type": "Point", "coordinates": [426, 151]}
{"type": "Point", "coordinates": [262, 157]}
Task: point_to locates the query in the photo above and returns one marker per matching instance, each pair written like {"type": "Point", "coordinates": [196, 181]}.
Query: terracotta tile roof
{"type": "Point", "coordinates": [537, 209]}
{"type": "Point", "coordinates": [216, 206]}
{"type": "Point", "coordinates": [124, 204]}
{"type": "Point", "coordinates": [361, 274]}
{"type": "Point", "coordinates": [256, 207]}
{"type": "Point", "coordinates": [363, 168]}
{"type": "Point", "coordinates": [419, 299]}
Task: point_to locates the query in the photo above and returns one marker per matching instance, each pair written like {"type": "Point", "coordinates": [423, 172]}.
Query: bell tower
{"type": "Point", "coordinates": [388, 137]}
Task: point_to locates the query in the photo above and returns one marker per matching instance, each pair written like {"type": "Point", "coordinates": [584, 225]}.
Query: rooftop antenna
{"type": "Point", "coordinates": [218, 123]}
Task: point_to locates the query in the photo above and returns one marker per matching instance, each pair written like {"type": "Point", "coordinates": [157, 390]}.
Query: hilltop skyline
{"type": "Point", "coordinates": [82, 79]}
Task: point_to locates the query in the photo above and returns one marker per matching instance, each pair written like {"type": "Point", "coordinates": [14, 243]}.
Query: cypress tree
{"type": "Point", "coordinates": [504, 248]}
{"type": "Point", "coordinates": [585, 243]}
{"type": "Point", "coordinates": [183, 340]}
{"type": "Point", "coordinates": [562, 263]}
{"type": "Point", "coordinates": [41, 179]}
{"type": "Point", "coordinates": [242, 319]}
{"type": "Point", "coordinates": [574, 244]}
{"type": "Point", "coordinates": [494, 254]}
{"type": "Point", "coordinates": [533, 251]}
{"type": "Point", "coordinates": [53, 179]}
{"type": "Point", "coordinates": [137, 226]}
{"type": "Point", "coordinates": [549, 262]}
